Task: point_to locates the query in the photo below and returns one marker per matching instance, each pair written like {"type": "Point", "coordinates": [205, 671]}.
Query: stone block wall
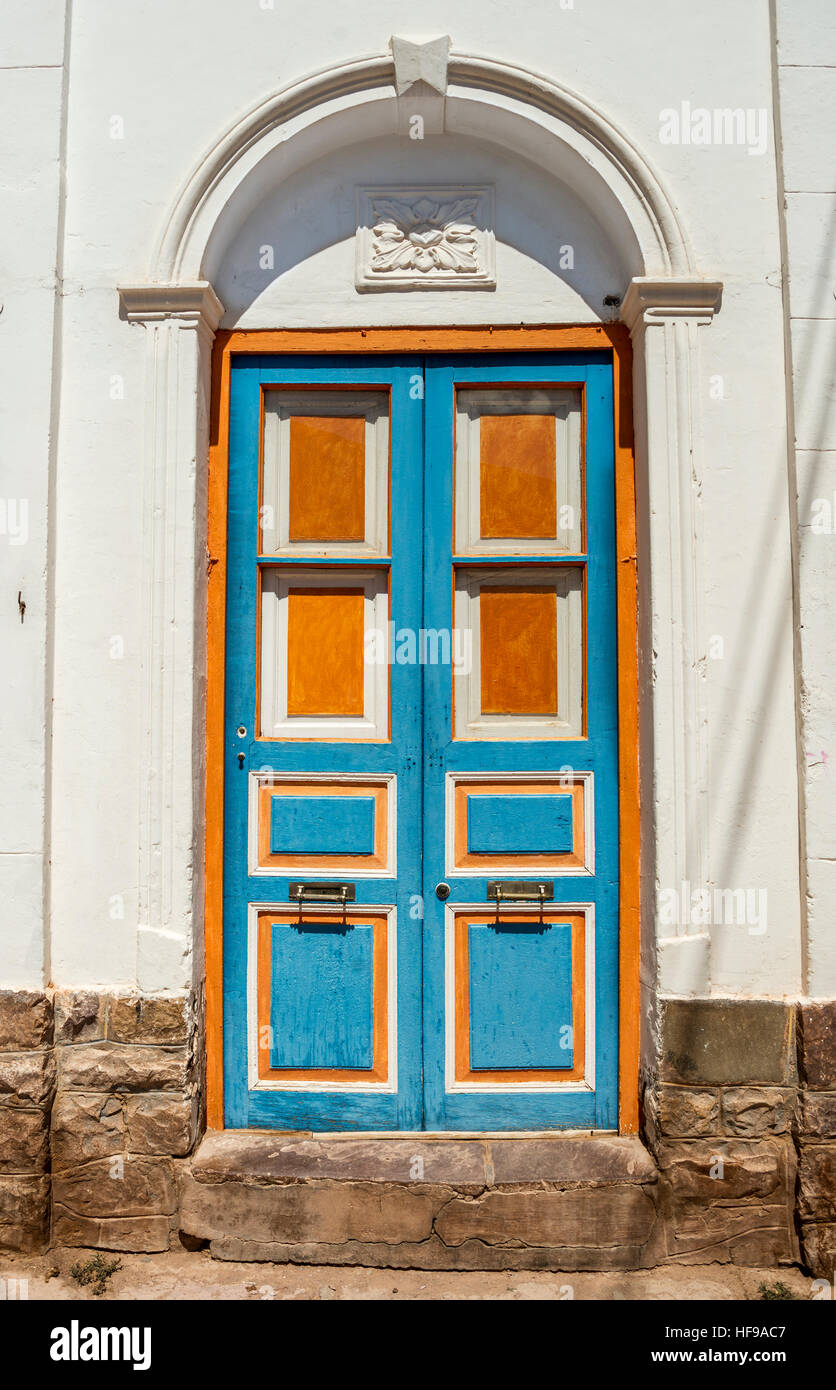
{"type": "Point", "coordinates": [741, 1118]}
{"type": "Point", "coordinates": [718, 1119]}
{"type": "Point", "coordinates": [100, 1100]}
{"type": "Point", "coordinates": [816, 1203]}
{"type": "Point", "coordinates": [101, 1095]}
{"type": "Point", "coordinates": [27, 1087]}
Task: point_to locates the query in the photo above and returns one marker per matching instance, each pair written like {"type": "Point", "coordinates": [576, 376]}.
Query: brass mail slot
{"type": "Point", "coordinates": [515, 890]}
{"type": "Point", "coordinates": [322, 893]}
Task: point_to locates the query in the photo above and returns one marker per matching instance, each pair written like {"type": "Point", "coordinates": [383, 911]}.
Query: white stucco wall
{"type": "Point", "coordinates": [806, 52]}
{"type": "Point", "coordinates": [177, 77]}
{"type": "Point", "coordinates": [31, 119]}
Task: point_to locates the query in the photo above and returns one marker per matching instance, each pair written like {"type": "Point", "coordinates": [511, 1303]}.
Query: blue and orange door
{"type": "Point", "coordinates": [421, 791]}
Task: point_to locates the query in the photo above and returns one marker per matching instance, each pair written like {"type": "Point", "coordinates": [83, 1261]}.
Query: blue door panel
{"type": "Point", "coordinates": [593, 1105]}
{"type": "Point", "coordinates": [248, 1102]}
{"type": "Point", "coordinates": [519, 824]}
{"type": "Point", "coordinates": [520, 996]}
{"type": "Point", "coordinates": [322, 990]}
{"type": "Point", "coordinates": [322, 825]}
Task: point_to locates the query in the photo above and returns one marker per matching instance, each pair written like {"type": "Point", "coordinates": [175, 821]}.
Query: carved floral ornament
{"type": "Point", "coordinates": [425, 238]}
{"type": "Point", "coordinates": [425, 235]}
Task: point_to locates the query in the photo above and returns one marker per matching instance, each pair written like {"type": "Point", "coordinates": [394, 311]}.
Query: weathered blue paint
{"type": "Point", "coordinates": [322, 825]}
{"type": "Point", "coordinates": [420, 753]}
{"type": "Point", "coordinates": [322, 995]}
{"type": "Point", "coordinates": [597, 752]}
{"type": "Point", "coordinates": [323, 1110]}
{"type": "Point", "coordinates": [519, 824]}
{"type": "Point", "coordinates": [520, 996]}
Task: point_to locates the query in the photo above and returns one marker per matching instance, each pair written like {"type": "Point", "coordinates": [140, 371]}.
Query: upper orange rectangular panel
{"type": "Point", "coordinates": [325, 652]}
{"type": "Point", "coordinates": [327, 478]}
{"type": "Point", "coordinates": [325, 472]}
{"type": "Point", "coordinates": [519, 475]}
{"type": "Point", "coordinates": [518, 484]}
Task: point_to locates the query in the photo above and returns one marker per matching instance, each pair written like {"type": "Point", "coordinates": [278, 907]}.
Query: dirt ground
{"type": "Point", "coordinates": [183, 1275]}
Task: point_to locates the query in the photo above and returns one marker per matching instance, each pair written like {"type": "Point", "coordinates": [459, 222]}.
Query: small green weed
{"type": "Point", "coordinates": [95, 1272]}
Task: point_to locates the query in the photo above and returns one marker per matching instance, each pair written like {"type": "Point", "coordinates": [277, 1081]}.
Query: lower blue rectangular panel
{"type": "Point", "coordinates": [519, 824]}
{"type": "Point", "coordinates": [321, 996]}
{"type": "Point", "coordinates": [520, 996]}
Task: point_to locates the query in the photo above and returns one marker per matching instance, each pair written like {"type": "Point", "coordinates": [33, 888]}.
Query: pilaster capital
{"type": "Point", "coordinates": [649, 300]}
{"type": "Point", "coordinates": [194, 305]}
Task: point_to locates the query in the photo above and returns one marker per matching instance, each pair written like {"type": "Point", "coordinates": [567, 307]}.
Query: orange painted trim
{"type": "Point", "coordinates": [327, 479]}
{"type": "Point", "coordinates": [215, 683]}
{"type": "Point", "coordinates": [486, 338]}
{"type": "Point", "coordinates": [549, 338]}
{"type": "Point", "coordinates": [518, 498]}
{"type": "Point", "coordinates": [379, 1070]}
{"type": "Point", "coordinates": [628, 737]}
{"type": "Point", "coordinates": [344, 564]}
{"type": "Point", "coordinates": [461, 1048]}
{"type": "Point", "coordinates": [325, 651]}
{"type": "Point", "coordinates": [518, 647]}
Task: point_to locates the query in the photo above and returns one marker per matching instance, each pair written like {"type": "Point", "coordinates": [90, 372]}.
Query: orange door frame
{"type": "Point", "coordinates": [560, 338]}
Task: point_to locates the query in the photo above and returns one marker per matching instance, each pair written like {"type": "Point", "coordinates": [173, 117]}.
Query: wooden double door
{"type": "Point", "coordinates": [421, 790]}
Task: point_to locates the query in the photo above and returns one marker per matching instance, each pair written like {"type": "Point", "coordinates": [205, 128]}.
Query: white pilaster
{"type": "Point", "coordinates": [180, 323]}
{"type": "Point", "coordinates": [664, 318]}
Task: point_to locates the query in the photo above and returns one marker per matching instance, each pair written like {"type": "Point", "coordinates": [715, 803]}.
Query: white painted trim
{"type": "Point", "coordinates": [568, 724]}
{"type": "Point", "coordinates": [565, 405]}
{"type": "Point", "coordinates": [499, 865]}
{"type": "Point", "coordinates": [664, 317]}
{"type": "Point", "coordinates": [653, 300]}
{"type": "Point", "coordinates": [454, 1087]}
{"type": "Point", "coordinates": [387, 1087]}
{"type": "Point", "coordinates": [261, 778]}
{"type": "Point", "coordinates": [456, 1134]}
{"type": "Point", "coordinates": [275, 721]}
{"type": "Point", "coordinates": [197, 304]}
{"type": "Point", "coordinates": [178, 322]}
{"type": "Point", "coordinates": [279, 407]}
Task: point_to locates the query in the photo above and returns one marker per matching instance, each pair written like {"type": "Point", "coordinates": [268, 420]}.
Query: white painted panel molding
{"type": "Point", "coordinates": [276, 585]}
{"type": "Point", "coordinates": [565, 406]}
{"type": "Point", "coordinates": [567, 720]}
{"type": "Point", "coordinates": [280, 407]}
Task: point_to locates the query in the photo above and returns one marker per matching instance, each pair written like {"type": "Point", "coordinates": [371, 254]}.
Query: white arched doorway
{"type": "Point", "coordinates": [498, 114]}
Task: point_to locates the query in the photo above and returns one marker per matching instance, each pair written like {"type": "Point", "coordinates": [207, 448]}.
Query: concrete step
{"type": "Point", "coordinates": [558, 1202]}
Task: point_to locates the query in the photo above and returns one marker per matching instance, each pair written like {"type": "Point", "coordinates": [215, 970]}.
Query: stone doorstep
{"type": "Point", "coordinates": [559, 1202]}
{"type": "Point", "coordinates": [267, 1156]}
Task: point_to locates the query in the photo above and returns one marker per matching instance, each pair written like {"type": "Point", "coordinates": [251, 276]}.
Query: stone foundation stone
{"type": "Point", "coordinates": [559, 1203]}
{"type": "Point", "coordinates": [719, 1119]}
{"type": "Point", "coordinates": [816, 1135]}
{"type": "Point", "coordinates": [126, 1109]}
{"type": "Point", "coordinates": [27, 1084]}
{"type": "Point", "coordinates": [99, 1101]}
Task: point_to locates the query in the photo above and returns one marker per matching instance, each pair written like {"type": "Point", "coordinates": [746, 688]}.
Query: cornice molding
{"type": "Point", "coordinates": [196, 304]}
{"type": "Point", "coordinates": [650, 300]}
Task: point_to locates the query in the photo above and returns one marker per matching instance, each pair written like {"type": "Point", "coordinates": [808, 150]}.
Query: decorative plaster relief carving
{"type": "Point", "coordinates": [425, 238]}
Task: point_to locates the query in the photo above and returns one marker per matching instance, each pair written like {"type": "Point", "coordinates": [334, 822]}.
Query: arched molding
{"type": "Point", "coordinates": [524, 111]}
